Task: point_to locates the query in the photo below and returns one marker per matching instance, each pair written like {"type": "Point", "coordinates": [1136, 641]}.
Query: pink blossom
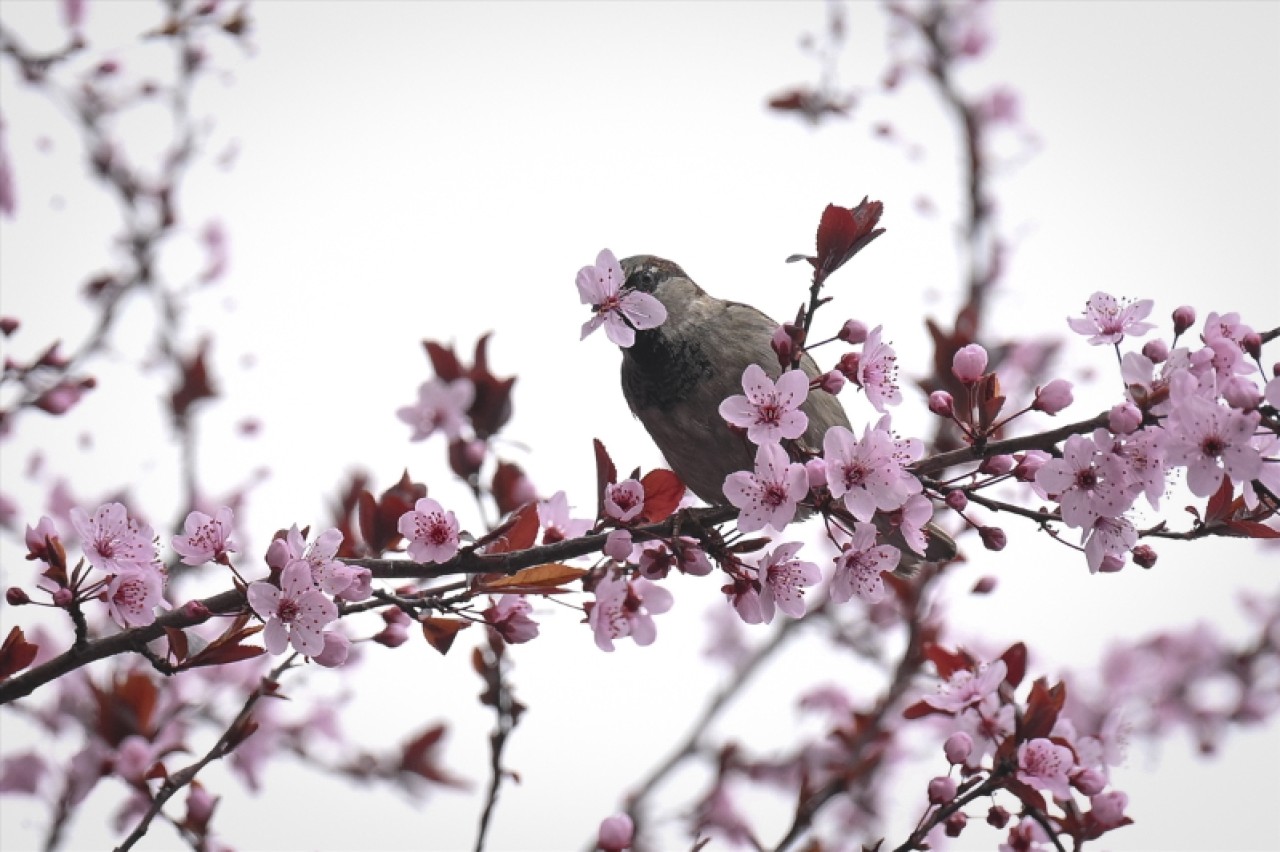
{"type": "Point", "coordinates": [769, 411]}
{"type": "Point", "coordinates": [767, 497]}
{"type": "Point", "coordinates": [337, 648]}
{"type": "Point", "coordinates": [616, 833]}
{"type": "Point", "coordinates": [942, 404]}
{"type": "Point", "coordinates": [878, 372]}
{"type": "Point", "coordinates": [1142, 455]}
{"type": "Point", "coordinates": [37, 536]}
{"type": "Point", "coordinates": [860, 565]}
{"type": "Point", "coordinates": [626, 608]}
{"type": "Point", "coordinates": [1053, 397]}
{"type": "Point", "coordinates": [134, 758]}
{"type": "Point", "coordinates": [624, 501]}
{"type": "Point", "coordinates": [1026, 836]}
{"type": "Point", "coordinates": [1108, 537]}
{"type": "Point", "coordinates": [958, 747]}
{"type": "Point", "coordinates": [783, 579]}
{"type": "Point", "coordinates": [869, 473]}
{"type": "Point", "coordinates": [553, 516]}
{"type": "Point", "coordinates": [133, 594]}
{"type": "Point", "coordinates": [853, 331]}
{"type": "Point", "coordinates": [911, 519]}
{"type": "Point", "coordinates": [618, 545]}
{"type": "Point", "coordinates": [295, 613]}
{"type": "Point", "coordinates": [941, 790]}
{"type": "Point", "coordinates": [657, 558]}
{"type": "Point", "coordinates": [1108, 808]}
{"type": "Point", "coordinates": [327, 572]}
{"type": "Point", "coordinates": [441, 406]}
{"type": "Point", "coordinates": [432, 532]}
{"type": "Point", "coordinates": [1046, 766]}
{"type": "Point", "coordinates": [509, 616]}
{"type": "Point", "coordinates": [22, 773]}
{"type": "Point", "coordinates": [1242, 393]}
{"type": "Point", "coordinates": [1109, 320]}
{"type": "Point", "coordinates": [113, 542]}
{"type": "Point", "coordinates": [1124, 418]}
{"type": "Point", "coordinates": [1086, 483]}
{"type": "Point", "coordinates": [622, 314]}
{"type": "Point", "coordinates": [1225, 326]}
{"type": "Point", "coordinates": [206, 538]}
{"type": "Point", "coordinates": [965, 688]}
{"type": "Point", "coordinates": [1183, 318]}
{"type": "Point", "coordinates": [1211, 440]}
{"type": "Point", "coordinates": [969, 363]}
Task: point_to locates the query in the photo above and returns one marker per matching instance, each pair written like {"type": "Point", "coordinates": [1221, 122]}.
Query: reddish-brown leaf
{"type": "Point", "coordinates": [1253, 529]}
{"type": "Point", "coordinates": [178, 647]}
{"type": "Point", "coordinates": [663, 492]}
{"type": "Point", "coordinates": [606, 474]}
{"type": "Point", "coordinates": [1015, 660]}
{"type": "Point", "coordinates": [16, 653]}
{"type": "Point", "coordinates": [440, 632]}
{"type": "Point", "coordinates": [539, 579]}
{"type": "Point", "coordinates": [947, 662]}
{"type": "Point", "coordinates": [1043, 707]}
{"type": "Point", "coordinates": [195, 386]}
{"type": "Point", "coordinates": [842, 233]}
{"type": "Point", "coordinates": [920, 709]}
{"type": "Point", "coordinates": [507, 488]}
{"type": "Point", "coordinates": [1219, 506]}
{"type": "Point", "coordinates": [518, 532]}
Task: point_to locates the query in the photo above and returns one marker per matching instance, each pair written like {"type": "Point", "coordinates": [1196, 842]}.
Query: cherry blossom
{"type": "Point", "coordinates": [626, 608]}
{"type": "Point", "coordinates": [621, 313]}
{"type": "Point", "coordinates": [553, 517]}
{"type": "Point", "coordinates": [1087, 484]}
{"type": "Point", "coordinates": [1211, 440]}
{"type": "Point", "coordinates": [330, 575]}
{"type": "Point", "coordinates": [969, 363]}
{"type": "Point", "coordinates": [1109, 320]}
{"type": "Point", "coordinates": [767, 497]}
{"type": "Point", "coordinates": [966, 688]}
{"type": "Point", "coordinates": [616, 833]}
{"type": "Point", "coordinates": [782, 580]}
{"type": "Point", "coordinates": [769, 411]}
{"type": "Point", "coordinates": [296, 613]}
{"type": "Point", "coordinates": [114, 542]}
{"type": "Point", "coordinates": [207, 538]}
{"type": "Point", "coordinates": [442, 406]}
{"type": "Point", "coordinates": [869, 473]}
{"type": "Point", "coordinates": [1046, 766]}
{"type": "Point", "coordinates": [860, 565]}
{"type": "Point", "coordinates": [624, 501]}
{"type": "Point", "coordinates": [133, 594]}
{"type": "Point", "coordinates": [1108, 537]}
{"type": "Point", "coordinates": [432, 532]}
{"type": "Point", "coordinates": [509, 616]}
{"type": "Point", "coordinates": [1053, 397]}
{"type": "Point", "coordinates": [878, 372]}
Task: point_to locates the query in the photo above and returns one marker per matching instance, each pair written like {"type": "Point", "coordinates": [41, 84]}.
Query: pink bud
{"type": "Point", "coordinates": [196, 611]}
{"type": "Point", "coordinates": [616, 833]}
{"type": "Point", "coordinates": [969, 363]}
{"type": "Point", "coordinates": [1144, 556]}
{"type": "Point", "coordinates": [391, 636]}
{"type": "Point", "coordinates": [1091, 782]}
{"type": "Point", "coordinates": [8, 325]}
{"type": "Point", "coordinates": [1053, 397]}
{"type": "Point", "coordinates": [1156, 350]}
{"type": "Point", "coordinates": [337, 647]}
{"type": "Point", "coordinates": [985, 585]}
{"type": "Point", "coordinates": [832, 382]}
{"type": "Point", "coordinates": [617, 545]}
{"type": "Point", "coordinates": [955, 824]}
{"type": "Point", "coordinates": [941, 403]}
{"type": "Point", "coordinates": [1124, 419]}
{"type": "Point", "coordinates": [1029, 464]}
{"type": "Point", "coordinates": [848, 365]}
{"type": "Point", "coordinates": [958, 747]}
{"type": "Point", "coordinates": [15, 596]}
{"type": "Point", "coordinates": [941, 790]}
{"type": "Point", "coordinates": [997, 465]}
{"type": "Point", "coordinates": [957, 500]}
{"type": "Point", "coordinates": [1183, 318]}
{"type": "Point", "coordinates": [817, 470]}
{"type": "Point", "coordinates": [1252, 344]}
{"type": "Point", "coordinates": [782, 346]}
{"type": "Point", "coordinates": [1108, 808]}
{"type": "Point", "coordinates": [993, 538]}
{"type": "Point", "coordinates": [1241, 393]}
{"type": "Point", "coordinates": [853, 332]}
{"type": "Point", "coordinates": [62, 597]}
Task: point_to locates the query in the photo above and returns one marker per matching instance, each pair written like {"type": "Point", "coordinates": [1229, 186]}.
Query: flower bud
{"type": "Point", "coordinates": [1108, 808]}
{"type": "Point", "coordinates": [1029, 464]}
{"type": "Point", "coordinates": [941, 403]}
{"type": "Point", "coordinates": [1156, 350]}
{"type": "Point", "coordinates": [1183, 318]}
{"type": "Point", "coordinates": [1053, 397]}
{"type": "Point", "coordinates": [616, 833]}
{"type": "Point", "coordinates": [957, 500]}
{"type": "Point", "coordinates": [1144, 556]}
{"type": "Point", "coordinates": [997, 817]}
{"type": "Point", "coordinates": [1124, 419]}
{"type": "Point", "coordinates": [196, 611]}
{"type": "Point", "coordinates": [14, 596]}
{"type": "Point", "coordinates": [782, 346]}
{"type": "Point", "coordinates": [63, 597]}
{"type": "Point", "coordinates": [1091, 782]}
{"type": "Point", "coordinates": [1252, 344]}
{"type": "Point", "coordinates": [337, 647]}
{"type": "Point", "coordinates": [997, 465]}
{"type": "Point", "coordinates": [985, 585]}
{"type": "Point", "coordinates": [391, 636]}
{"type": "Point", "coordinates": [993, 538]}
{"type": "Point", "coordinates": [848, 365]}
{"type": "Point", "coordinates": [941, 790]}
{"type": "Point", "coordinates": [955, 824]}
{"type": "Point", "coordinates": [817, 471]}
{"type": "Point", "coordinates": [958, 747]}
{"type": "Point", "coordinates": [832, 381]}
{"type": "Point", "coordinates": [853, 331]}
{"type": "Point", "coordinates": [969, 363]}
{"type": "Point", "coordinates": [1241, 393]}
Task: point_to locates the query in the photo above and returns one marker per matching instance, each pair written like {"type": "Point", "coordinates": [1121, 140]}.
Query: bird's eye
{"type": "Point", "coordinates": [647, 279]}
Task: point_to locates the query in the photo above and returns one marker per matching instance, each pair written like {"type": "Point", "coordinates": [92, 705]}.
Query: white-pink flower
{"type": "Point", "coordinates": [622, 314]}
{"type": "Point", "coordinates": [441, 406]}
{"type": "Point", "coordinates": [878, 372]}
{"type": "Point", "coordinates": [509, 616]}
{"type": "Point", "coordinates": [768, 496]}
{"type": "Point", "coordinates": [861, 565]}
{"type": "Point", "coordinates": [432, 532]}
{"type": "Point", "coordinates": [114, 542]}
{"type": "Point", "coordinates": [624, 501]}
{"type": "Point", "coordinates": [783, 579]}
{"type": "Point", "coordinates": [207, 538]}
{"type": "Point", "coordinates": [626, 608]}
{"type": "Point", "coordinates": [133, 594]}
{"type": "Point", "coordinates": [965, 689]}
{"type": "Point", "coordinates": [327, 572]}
{"type": "Point", "coordinates": [1046, 766]}
{"type": "Point", "coordinates": [769, 411]}
{"type": "Point", "coordinates": [1108, 537]}
{"type": "Point", "coordinates": [553, 516]}
{"type": "Point", "coordinates": [1086, 483]}
{"type": "Point", "coordinates": [296, 613]}
{"type": "Point", "coordinates": [869, 473]}
{"type": "Point", "coordinates": [1211, 440]}
{"type": "Point", "coordinates": [1109, 320]}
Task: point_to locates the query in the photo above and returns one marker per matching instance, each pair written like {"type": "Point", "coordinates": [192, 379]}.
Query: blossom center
{"type": "Point", "coordinates": [287, 611]}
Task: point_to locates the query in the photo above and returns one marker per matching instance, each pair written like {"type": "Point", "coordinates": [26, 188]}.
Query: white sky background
{"type": "Point", "coordinates": [438, 170]}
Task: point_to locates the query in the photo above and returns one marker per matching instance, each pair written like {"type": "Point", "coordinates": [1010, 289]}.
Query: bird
{"type": "Point", "coordinates": [675, 376]}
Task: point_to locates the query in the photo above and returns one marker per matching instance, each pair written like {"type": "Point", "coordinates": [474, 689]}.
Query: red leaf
{"type": "Point", "coordinates": [507, 487]}
{"type": "Point", "coordinates": [947, 662]}
{"type": "Point", "coordinates": [440, 632]}
{"type": "Point", "coordinates": [921, 709]}
{"type": "Point", "coordinates": [1253, 529]}
{"type": "Point", "coordinates": [1219, 506]}
{"type": "Point", "coordinates": [842, 233]}
{"type": "Point", "coordinates": [1043, 707]}
{"type": "Point", "coordinates": [606, 474]}
{"type": "Point", "coordinates": [518, 532]}
{"type": "Point", "coordinates": [178, 647]}
{"type": "Point", "coordinates": [1015, 660]}
{"type": "Point", "coordinates": [16, 653]}
{"type": "Point", "coordinates": [663, 492]}
{"type": "Point", "coordinates": [195, 386]}
{"type": "Point", "coordinates": [443, 361]}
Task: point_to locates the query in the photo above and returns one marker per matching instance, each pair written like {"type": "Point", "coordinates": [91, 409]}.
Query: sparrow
{"type": "Point", "coordinates": [675, 376]}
